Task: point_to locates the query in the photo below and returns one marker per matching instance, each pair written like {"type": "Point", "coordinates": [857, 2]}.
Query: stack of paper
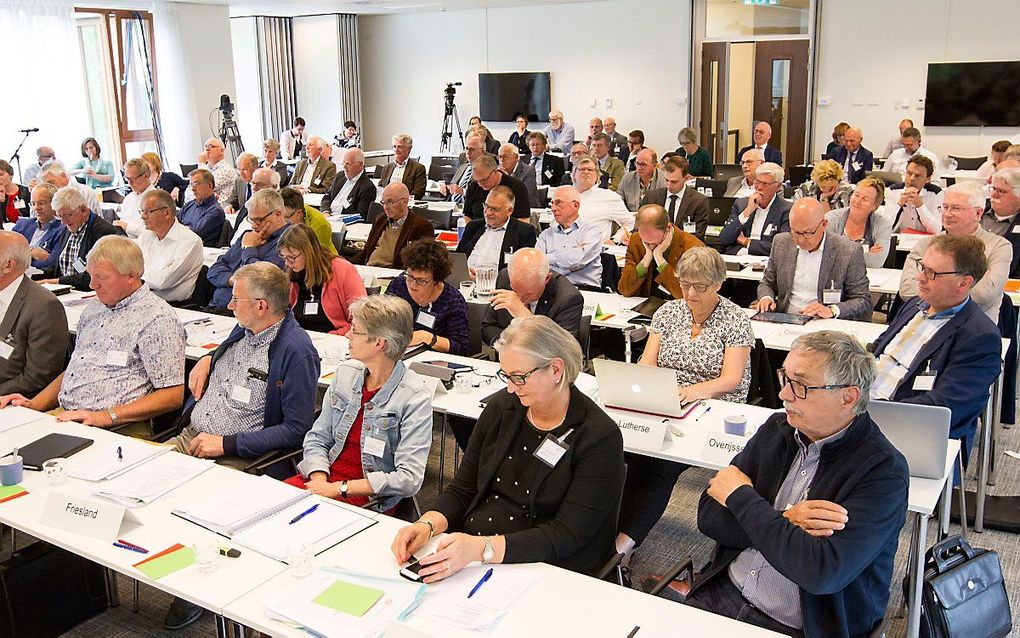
{"type": "Point", "coordinates": [147, 482]}
{"type": "Point", "coordinates": [447, 601]}
{"type": "Point", "coordinates": [336, 602]}
{"type": "Point", "coordinates": [101, 460]}
{"type": "Point", "coordinates": [14, 416]}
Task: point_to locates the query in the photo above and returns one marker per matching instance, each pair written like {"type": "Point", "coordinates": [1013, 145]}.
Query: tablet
{"type": "Point", "coordinates": [782, 317]}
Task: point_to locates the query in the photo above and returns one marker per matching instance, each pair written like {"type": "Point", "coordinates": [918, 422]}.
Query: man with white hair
{"type": "Point", "coordinates": [600, 207]}
{"type": "Point", "coordinates": [510, 164]}
{"type": "Point", "coordinates": [574, 247]}
{"type": "Point", "coordinates": [137, 175]}
{"type": "Point", "coordinates": [247, 163]}
{"type": "Point", "coordinates": [171, 250]}
{"type": "Point", "coordinates": [474, 148]}
{"type": "Point", "coordinates": [762, 133]}
{"type": "Point", "coordinates": [224, 175]}
{"type": "Point", "coordinates": [34, 321]}
{"type": "Point", "coordinates": [756, 219]}
{"type": "Point", "coordinates": [559, 133]}
{"type": "Point", "coordinates": [1003, 211]}
{"type": "Point", "coordinates": [404, 169]}
{"type": "Point", "coordinates": [82, 230]}
{"type": "Point", "coordinates": [962, 209]}
{"type": "Point", "coordinates": [43, 154]}
{"type": "Point", "coordinates": [128, 361]}
{"type": "Point", "coordinates": [527, 286]}
{"type": "Point", "coordinates": [315, 173]}
{"type": "Point", "coordinates": [54, 173]}
{"type": "Point", "coordinates": [352, 190]}
{"type": "Point", "coordinates": [743, 185]}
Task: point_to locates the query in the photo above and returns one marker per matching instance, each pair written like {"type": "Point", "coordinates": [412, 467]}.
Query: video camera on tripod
{"type": "Point", "coordinates": [450, 117]}
{"type": "Point", "coordinates": [228, 132]}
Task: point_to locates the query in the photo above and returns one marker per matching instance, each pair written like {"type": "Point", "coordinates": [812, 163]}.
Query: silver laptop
{"type": "Point", "coordinates": [629, 386]}
{"type": "Point", "coordinates": [919, 432]}
{"type": "Point", "coordinates": [459, 269]}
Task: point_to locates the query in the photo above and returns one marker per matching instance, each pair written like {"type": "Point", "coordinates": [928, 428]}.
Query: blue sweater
{"type": "Point", "coordinates": [844, 578]}
{"type": "Point", "coordinates": [290, 393]}
{"type": "Point", "coordinates": [450, 311]}
{"type": "Point", "coordinates": [204, 218]}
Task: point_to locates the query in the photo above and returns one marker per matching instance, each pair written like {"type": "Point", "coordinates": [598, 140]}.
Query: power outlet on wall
{"type": "Point", "coordinates": [609, 102]}
{"type": "Point", "coordinates": [920, 102]}
{"type": "Point", "coordinates": [594, 102]}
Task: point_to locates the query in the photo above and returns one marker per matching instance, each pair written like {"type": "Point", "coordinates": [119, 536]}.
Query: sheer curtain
{"type": "Point", "coordinates": [47, 90]}
{"type": "Point", "coordinates": [177, 111]}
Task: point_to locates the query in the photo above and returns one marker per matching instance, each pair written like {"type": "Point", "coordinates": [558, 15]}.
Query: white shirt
{"type": "Point", "coordinates": [745, 189]}
{"type": "Point", "coordinates": [90, 196]}
{"type": "Point", "coordinates": [398, 172]}
{"type": "Point", "coordinates": [7, 296]}
{"type": "Point", "coordinates": [171, 265]}
{"type": "Point", "coordinates": [926, 219]}
{"type": "Point", "coordinates": [539, 177]}
{"type": "Point", "coordinates": [287, 143]}
{"type": "Point", "coordinates": [897, 161]}
{"type": "Point", "coordinates": [128, 211]}
{"type": "Point", "coordinates": [342, 199]}
{"type": "Point", "coordinates": [486, 250]}
{"type": "Point", "coordinates": [306, 179]}
{"type": "Point", "coordinates": [676, 209]}
{"type": "Point", "coordinates": [758, 225]}
{"type": "Point", "coordinates": [805, 279]}
{"type": "Point", "coordinates": [601, 207]}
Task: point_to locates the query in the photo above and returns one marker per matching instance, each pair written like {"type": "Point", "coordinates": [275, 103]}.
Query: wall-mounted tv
{"type": "Point", "coordinates": [502, 95]}
{"type": "Point", "coordinates": [973, 94]}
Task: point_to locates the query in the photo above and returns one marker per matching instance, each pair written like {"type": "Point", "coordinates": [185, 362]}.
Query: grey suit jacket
{"type": "Point", "coordinates": [842, 264]}
{"type": "Point", "coordinates": [733, 185]}
{"type": "Point", "coordinates": [36, 326]}
{"type": "Point", "coordinates": [526, 173]}
{"type": "Point", "coordinates": [240, 195]}
{"type": "Point", "coordinates": [692, 205]}
{"type": "Point", "coordinates": [630, 188]}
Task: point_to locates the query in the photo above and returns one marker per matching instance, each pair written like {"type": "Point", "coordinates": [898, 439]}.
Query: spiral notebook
{"type": "Point", "coordinates": [256, 512]}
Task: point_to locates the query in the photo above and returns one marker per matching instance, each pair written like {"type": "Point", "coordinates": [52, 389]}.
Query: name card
{"type": "Point", "coordinates": [720, 448]}
{"type": "Point", "coordinates": [434, 385]}
{"type": "Point", "coordinates": [82, 515]}
{"type": "Point", "coordinates": [642, 434]}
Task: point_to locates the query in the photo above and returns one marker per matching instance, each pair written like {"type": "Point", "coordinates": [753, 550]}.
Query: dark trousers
{"type": "Point", "coordinates": [721, 596]}
{"type": "Point", "coordinates": [646, 493]}
{"type": "Point", "coordinates": [462, 428]}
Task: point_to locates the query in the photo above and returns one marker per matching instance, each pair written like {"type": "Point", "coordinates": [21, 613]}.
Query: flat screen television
{"type": "Point", "coordinates": [973, 94]}
{"type": "Point", "coordinates": [502, 95]}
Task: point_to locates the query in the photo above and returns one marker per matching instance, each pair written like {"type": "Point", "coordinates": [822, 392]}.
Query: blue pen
{"type": "Point", "coordinates": [707, 410]}
{"type": "Point", "coordinates": [128, 547]}
{"type": "Point", "coordinates": [304, 514]}
{"type": "Point", "coordinates": [120, 453]}
{"type": "Point", "coordinates": [478, 585]}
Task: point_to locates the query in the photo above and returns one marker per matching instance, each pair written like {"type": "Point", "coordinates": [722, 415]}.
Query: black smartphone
{"type": "Point", "coordinates": [410, 571]}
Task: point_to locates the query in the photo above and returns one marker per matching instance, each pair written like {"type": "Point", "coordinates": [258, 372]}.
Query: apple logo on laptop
{"type": "Point", "coordinates": [636, 388]}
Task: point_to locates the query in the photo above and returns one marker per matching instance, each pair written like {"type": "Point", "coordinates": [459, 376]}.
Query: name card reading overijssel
{"type": "Point", "coordinates": [720, 448]}
{"type": "Point", "coordinates": [82, 515]}
{"type": "Point", "coordinates": [642, 434]}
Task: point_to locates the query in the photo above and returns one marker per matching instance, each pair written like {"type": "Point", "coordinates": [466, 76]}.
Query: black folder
{"type": "Point", "coordinates": [51, 446]}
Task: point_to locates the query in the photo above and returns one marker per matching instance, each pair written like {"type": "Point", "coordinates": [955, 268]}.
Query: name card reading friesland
{"type": "Point", "coordinates": [720, 448]}
{"type": "Point", "coordinates": [642, 434]}
{"type": "Point", "coordinates": [82, 515]}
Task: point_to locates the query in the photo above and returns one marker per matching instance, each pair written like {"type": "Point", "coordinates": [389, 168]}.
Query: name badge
{"type": "Point", "coordinates": [6, 350]}
{"type": "Point", "coordinates": [831, 296]}
{"type": "Point", "coordinates": [241, 394]}
{"type": "Point", "coordinates": [924, 382]}
{"type": "Point", "coordinates": [426, 319]}
{"type": "Point", "coordinates": [117, 358]}
{"type": "Point", "coordinates": [19, 203]}
{"type": "Point", "coordinates": [1016, 230]}
{"type": "Point", "coordinates": [720, 448]}
{"type": "Point", "coordinates": [317, 182]}
{"type": "Point", "coordinates": [552, 449]}
{"type": "Point", "coordinates": [81, 515]}
{"type": "Point", "coordinates": [311, 307]}
{"type": "Point", "coordinates": [375, 446]}
{"type": "Point", "coordinates": [857, 166]}
{"type": "Point", "coordinates": [79, 265]}
{"type": "Point", "coordinates": [768, 230]}
{"type": "Point", "coordinates": [689, 227]}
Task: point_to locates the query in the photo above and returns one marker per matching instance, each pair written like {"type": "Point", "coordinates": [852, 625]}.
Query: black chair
{"type": "Point", "coordinates": [726, 171]}
{"type": "Point", "coordinates": [717, 187]}
{"type": "Point", "coordinates": [1008, 330]}
{"type": "Point", "coordinates": [800, 174]}
{"type": "Point", "coordinates": [442, 168]}
{"type": "Point", "coordinates": [201, 295]}
{"type": "Point", "coordinates": [374, 210]}
{"type": "Point", "coordinates": [187, 168]}
{"type": "Point", "coordinates": [161, 427]}
{"type": "Point", "coordinates": [338, 240]}
{"type": "Point", "coordinates": [890, 258]}
{"type": "Point", "coordinates": [610, 273]}
{"type": "Point", "coordinates": [407, 508]}
{"type": "Point", "coordinates": [440, 219]}
{"type": "Point", "coordinates": [584, 338]}
{"type": "Point", "coordinates": [762, 390]}
{"type": "Point", "coordinates": [788, 192]}
{"type": "Point", "coordinates": [968, 163]}
{"type": "Point", "coordinates": [476, 312]}
{"type": "Point", "coordinates": [226, 233]}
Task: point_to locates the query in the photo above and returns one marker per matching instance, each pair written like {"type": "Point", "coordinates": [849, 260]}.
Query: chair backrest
{"type": "Point", "coordinates": [186, 169]}
{"type": "Point", "coordinates": [788, 192]}
{"type": "Point", "coordinates": [888, 177]}
{"type": "Point", "coordinates": [338, 240]}
{"type": "Point", "coordinates": [442, 167]}
{"type": "Point", "coordinates": [476, 312]}
{"type": "Point", "coordinates": [458, 271]}
{"type": "Point", "coordinates": [890, 259]}
{"type": "Point", "coordinates": [800, 174]}
{"type": "Point", "coordinates": [441, 219]}
{"type": "Point", "coordinates": [725, 171]}
{"type": "Point", "coordinates": [374, 210]}
{"type": "Point", "coordinates": [968, 163]}
{"type": "Point", "coordinates": [610, 272]}
{"type": "Point", "coordinates": [584, 336]}
{"type": "Point", "coordinates": [203, 292]}
{"type": "Point", "coordinates": [226, 232]}
{"type": "Point", "coordinates": [716, 187]}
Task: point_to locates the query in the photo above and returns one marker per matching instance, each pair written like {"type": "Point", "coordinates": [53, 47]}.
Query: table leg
{"type": "Point", "coordinates": [919, 538]}
{"type": "Point", "coordinates": [221, 627]}
{"type": "Point", "coordinates": [946, 504]}
{"type": "Point", "coordinates": [982, 469]}
{"type": "Point", "coordinates": [442, 452]}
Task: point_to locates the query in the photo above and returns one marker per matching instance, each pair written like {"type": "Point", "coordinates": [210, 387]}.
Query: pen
{"type": "Point", "coordinates": [304, 514]}
{"type": "Point", "coordinates": [121, 541]}
{"type": "Point", "coordinates": [481, 581]}
{"type": "Point", "coordinates": [633, 632]}
{"type": "Point", "coordinates": [707, 410]}
{"type": "Point", "coordinates": [120, 453]}
{"type": "Point", "coordinates": [129, 547]}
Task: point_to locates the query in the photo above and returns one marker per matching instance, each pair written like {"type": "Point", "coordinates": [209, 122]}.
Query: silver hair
{"type": "Point", "coordinates": [539, 267]}
{"type": "Point", "coordinates": [702, 263]}
{"type": "Point", "coordinates": [70, 198]}
{"type": "Point", "coordinates": [847, 361]}
{"type": "Point", "coordinates": [975, 193]}
{"type": "Point", "coordinates": [266, 281]}
{"type": "Point", "coordinates": [774, 170]}
{"type": "Point", "coordinates": [756, 152]}
{"type": "Point", "coordinates": [404, 138]}
{"type": "Point", "coordinates": [388, 318]}
{"type": "Point", "coordinates": [1011, 176]}
{"type": "Point", "coordinates": [249, 159]}
{"type": "Point", "coordinates": [512, 148]}
{"type": "Point", "coordinates": [17, 250]}
{"type": "Point", "coordinates": [121, 253]}
{"type": "Point", "coordinates": [542, 339]}
{"type": "Point", "coordinates": [266, 199]}
{"type": "Point", "coordinates": [687, 134]}
{"type": "Point", "coordinates": [52, 168]}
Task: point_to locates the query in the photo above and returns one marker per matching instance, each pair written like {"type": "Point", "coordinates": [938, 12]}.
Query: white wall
{"type": "Point", "coordinates": [407, 59]}
{"type": "Point", "coordinates": [317, 73]}
{"type": "Point", "coordinates": [892, 44]}
{"type": "Point", "coordinates": [248, 99]}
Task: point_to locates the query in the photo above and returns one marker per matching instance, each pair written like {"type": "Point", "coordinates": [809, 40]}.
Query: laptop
{"type": "Point", "coordinates": [638, 388]}
{"type": "Point", "coordinates": [919, 432]}
{"type": "Point", "coordinates": [719, 210]}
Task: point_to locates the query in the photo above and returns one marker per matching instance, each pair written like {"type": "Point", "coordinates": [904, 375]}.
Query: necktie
{"type": "Point", "coordinates": [534, 159]}
{"type": "Point", "coordinates": [849, 164]}
{"type": "Point", "coordinates": [672, 208]}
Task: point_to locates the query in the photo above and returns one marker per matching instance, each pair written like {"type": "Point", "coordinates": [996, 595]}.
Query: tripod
{"type": "Point", "coordinates": [230, 136]}
{"type": "Point", "coordinates": [17, 157]}
{"type": "Point", "coordinates": [450, 118]}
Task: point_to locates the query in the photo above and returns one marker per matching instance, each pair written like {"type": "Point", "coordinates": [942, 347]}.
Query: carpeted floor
{"type": "Point", "coordinates": [675, 535]}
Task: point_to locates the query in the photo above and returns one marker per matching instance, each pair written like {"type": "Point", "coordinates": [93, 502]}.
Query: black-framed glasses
{"type": "Point", "coordinates": [800, 390]}
{"type": "Point", "coordinates": [930, 274]}
{"type": "Point", "coordinates": [417, 281]}
{"type": "Point", "coordinates": [687, 285]}
{"type": "Point", "coordinates": [518, 379]}
{"type": "Point", "coordinates": [807, 233]}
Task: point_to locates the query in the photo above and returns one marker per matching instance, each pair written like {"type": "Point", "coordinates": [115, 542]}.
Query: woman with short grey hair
{"type": "Point", "coordinates": [354, 454]}
{"type": "Point", "coordinates": [698, 158]}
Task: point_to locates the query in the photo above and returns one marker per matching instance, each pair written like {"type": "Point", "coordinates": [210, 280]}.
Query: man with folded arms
{"type": "Point", "coordinates": [42, 230]}
{"type": "Point", "coordinates": [82, 230]}
{"type": "Point", "coordinates": [756, 219]}
{"type": "Point", "coordinates": [574, 247]}
{"type": "Point", "coordinates": [404, 169]}
{"type": "Point", "coordinates": [914, 203]}
{"type": "Point", "coordinates": [395, 228]}
{"type": "Point", "coordinates": [204, 215]}
{"type": "Point", "coordinates": [128, 361]}
{"type": "Point", "coordinates": [685, 206]}
{"type": "Point", "coordinates": [488, 241]}
{"type": "Point", "coordinates": [653, 252]}
{"type": "Point", "coordinates": [940, 348]}
{"type": "Point", "coordinates": [962, 209]}
{"type": "Point", "coordinates": [352, 190]}
{"type": "Point", "coordinates": [33, 324]}
{"type": "Point", "coordinates": [815, 273]}
{"type": "Point", "coordinates": [315, 173]}
{"type": "Point", "coordinates": [645, 177]}
{"type": "Point", "coordinates": [173, 253]}
{"type": "Point", "coordinates": [807, 517]}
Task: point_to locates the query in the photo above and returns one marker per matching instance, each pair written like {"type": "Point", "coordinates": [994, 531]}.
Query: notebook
{"type": "Point", "coordinates": [51, 446]}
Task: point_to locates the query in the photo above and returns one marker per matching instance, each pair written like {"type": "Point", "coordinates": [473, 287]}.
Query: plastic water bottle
{"type": "Point", "coordinates": [461, 225]}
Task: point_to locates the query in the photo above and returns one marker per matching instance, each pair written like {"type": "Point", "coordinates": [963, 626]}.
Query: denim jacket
{"type": "Point", "coordinates": [400, 414]}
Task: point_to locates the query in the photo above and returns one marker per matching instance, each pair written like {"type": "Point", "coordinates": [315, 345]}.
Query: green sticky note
{"type": "Point", "coordinates": [349, 598]}
{"type": "Point", "coordinates": [168, 563]}
{"type": "Point", "coordinates": [10, 490]}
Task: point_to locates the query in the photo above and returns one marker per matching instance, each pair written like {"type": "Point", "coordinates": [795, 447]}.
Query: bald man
{"type": "Point", "coordinates": [352, 190]}
{"type": "Point", "coordinates": [618, 142]}
{"type": "Point", "coordinates": [574, 247]}
{"type": "Point", "coordinates": [815, 273]}
{"type": "Point", "coordinates": [315, 173]}
{"type": "Point", "coordinates": [854, 158]}
{"type": "Point", "coordinates": [392, 231]}
{"type": "Point", "coordinates": [224, 175]}
{"type": "Point", "coordinates": [762, 133]}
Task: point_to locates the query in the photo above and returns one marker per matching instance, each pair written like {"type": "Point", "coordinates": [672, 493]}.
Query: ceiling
{"type": "Point", "coordinates": [306, 7]}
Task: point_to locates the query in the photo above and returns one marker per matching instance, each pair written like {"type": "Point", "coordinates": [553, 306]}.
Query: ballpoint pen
{"type": "Point", "coordinates": [304, 514]}
{"type": "Point", "coordinates": [481, 581]}
{"type": "Point", "coordinates": [120, 453]}
{"type": "Point", "coordinates": [121, 541]}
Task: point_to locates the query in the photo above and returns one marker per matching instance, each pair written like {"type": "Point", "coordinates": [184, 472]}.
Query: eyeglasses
{"type": "Point", "coordinates": [356, 332]}
{"type": "Point", "coordinates": [807, 233]}
{"type": "Point", "coordinates": [393, 202]}
{"type": "Point", "coordinates": [586, 169]}
{"type": "Point", "coordinates": [487, 207]}
{"type": "Point", "coordinates": [518, 379]}
{"type": "Point", "coordinates": [748, 162]}
{"type": "Point", "coordinates": [930, 274]}
{"type": "Point", "coordinates": [131, 178]}
{"type": "Point", "coordinates": [255, 221]}
{"type": "Point", "coordinates": [417, 281]}
{"type": "Point", "coordinates": [478, 178]}
{"type": "Point", "coordinates": [290, 259]}
{"type": "Point", "coordinates": [954, 209]}
{"type": "Point", "coordinates": [147, 211]}
{"type": "Point", "coordinates": [687, 285]}
{"type": "Point", "coordinates": [234, 299]}
{"type": "Point", "coordinates": [759, 182]}
{"type": "Point", "coordinates": [800, 390]}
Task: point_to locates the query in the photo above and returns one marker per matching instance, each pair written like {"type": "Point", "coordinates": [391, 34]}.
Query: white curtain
{"type": "Point", "coordinates": [177, 109]}
{"type": "Point", "coordinates": [47, 89]}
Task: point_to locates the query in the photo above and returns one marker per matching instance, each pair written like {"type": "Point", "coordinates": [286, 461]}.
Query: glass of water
{"type": "Point", "coordinates": [485, 281]}
{"type": "Point", "coordinates": [301, 559]}
{"type": "Point", "coordinates": [467, 289]}
{"type": "Point", "coordinates": [207, 552]}
{"type": "Point", "coordinates": [55, 471]}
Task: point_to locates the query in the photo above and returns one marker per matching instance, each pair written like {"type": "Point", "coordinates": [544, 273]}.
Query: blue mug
{"type": "Point", "coordinates": [12, 470]}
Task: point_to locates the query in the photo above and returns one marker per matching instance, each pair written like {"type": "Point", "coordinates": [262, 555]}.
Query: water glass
{"type": "Point", "coordinates": [55, 471]}
{"type": "Point", "coordinates": [301, 559]}
{"type": "Point", "coordinates": [467, 289]}
{"type": "Point", "coordinates": [207, 553]}
{"type": "Point", "coordinates": [462, 382]}
{"type": "Point", "coordinates": [485, 281]}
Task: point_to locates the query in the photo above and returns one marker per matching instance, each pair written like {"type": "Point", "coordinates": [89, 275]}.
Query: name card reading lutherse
{"type": "Point", "coordinates": [641, 434]}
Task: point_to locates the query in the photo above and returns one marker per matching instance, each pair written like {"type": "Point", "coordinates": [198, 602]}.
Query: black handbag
{"type": "Point", "coordinates": [963, 593]}
{"type": "Point", "coordinates": [46, 591]}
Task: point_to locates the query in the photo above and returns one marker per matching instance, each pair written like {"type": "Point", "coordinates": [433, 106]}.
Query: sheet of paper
{"type": "Point", "coordinates": [447, 602]}
{"type": "Point", "coordinates": [167, 563]}
{"type": "Point", "coordinates": [100, 460]}
{"type": "Point", "coordinates": [14, 416]}
{"type": "Point", "coordinates": [328, 525]}
{"type": "Point", "coordinates": [147, 482]}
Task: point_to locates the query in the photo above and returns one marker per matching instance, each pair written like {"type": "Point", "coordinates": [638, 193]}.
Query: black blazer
{"type": "Point", "coordinates": [561, 301]}
{"type": "Point", "coordinates": [693, 205]}
{"type": "Point", "coordinates": [521, 142]}
{"type": "Point", "coordinates": [95, 229]}
{"type": "Point", "coordinates": [864, 158]}
{"type": "Point", "coordinates": [362, 195]}
{"type": "Point", "coordinates": [517, 235]}
{"type": "Point", "coordinates": [574, 505]}
{"type": "Point", "coordinates": [772, 154]}
{"type": "Point", "coordinates": [552, 169]}
{"type": "Point", "coordinates": [24, 195]}
{"type": "Point", "coordinates": [475, 196]}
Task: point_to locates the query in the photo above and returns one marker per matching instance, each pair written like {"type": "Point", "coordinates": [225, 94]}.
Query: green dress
{"type": "Point", "coordinates": [701, 163]}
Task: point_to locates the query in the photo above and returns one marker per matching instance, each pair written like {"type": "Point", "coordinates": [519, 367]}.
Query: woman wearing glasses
{"type": "Point", "coordinates": [439, 310]}
{"type": "Point", "coordinates": [707, 339]}
{"type": "Point", "coordinates": [353, 454]}
{"type": "Point", "coordinates": [861, 222]}
{"type": "Point", "coordinates": [322, 287]}
{"type": "Point", "coordinates": [542, 476]}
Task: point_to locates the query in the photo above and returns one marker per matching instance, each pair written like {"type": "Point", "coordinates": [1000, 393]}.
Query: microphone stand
{"type": "Point", "coordinates": [17, 157]}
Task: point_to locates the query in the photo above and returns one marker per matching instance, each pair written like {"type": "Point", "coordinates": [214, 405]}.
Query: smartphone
{"type": "Point", "coordinates": [410, 571]}
{"type": "Point", "coordinates": [456, 367]}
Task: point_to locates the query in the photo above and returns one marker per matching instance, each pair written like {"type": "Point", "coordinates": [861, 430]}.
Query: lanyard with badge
{"type": "Point", "coordinates": [425, 318]}
{"type": "Point", "coordinates": [925, 381]}
{"type": "Point", "coordinates": [832, 294]}
{"type": "Point", "coordinates": [552, 448]}
{"type": "Point", "coordinates": [311, 307]}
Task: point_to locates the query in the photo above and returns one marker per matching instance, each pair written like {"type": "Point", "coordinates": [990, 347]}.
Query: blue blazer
{"type": "Point", "coordinates": [777, 220]}
{"type": "Point", "coordinates": [965, 356]}
{"type": "Point", "coordinates": [865, 159]}
{"type": "Point", "coordinates": [772, 154]}
{"type": "Point", "coordinates": [26, 226]}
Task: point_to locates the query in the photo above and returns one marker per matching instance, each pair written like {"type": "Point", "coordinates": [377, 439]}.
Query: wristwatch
{"type": "Point", "coordinates": [113, 416]}
{"type": "Point", "coordinates": [343, 489]}
{"type": "Point", "coordinates": [835, 311]}
{"type": "Point", "coordinates": [488, 553]}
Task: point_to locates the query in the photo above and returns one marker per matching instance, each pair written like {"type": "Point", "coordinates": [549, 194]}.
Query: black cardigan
{"type": "Point", "coordinates": [844, 578]}
{"type": "Point", "coordinates": [574, 505]}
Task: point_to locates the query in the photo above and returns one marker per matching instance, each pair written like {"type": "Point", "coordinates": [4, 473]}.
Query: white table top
{"type": "Point", "coordinates": [880, 280]}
